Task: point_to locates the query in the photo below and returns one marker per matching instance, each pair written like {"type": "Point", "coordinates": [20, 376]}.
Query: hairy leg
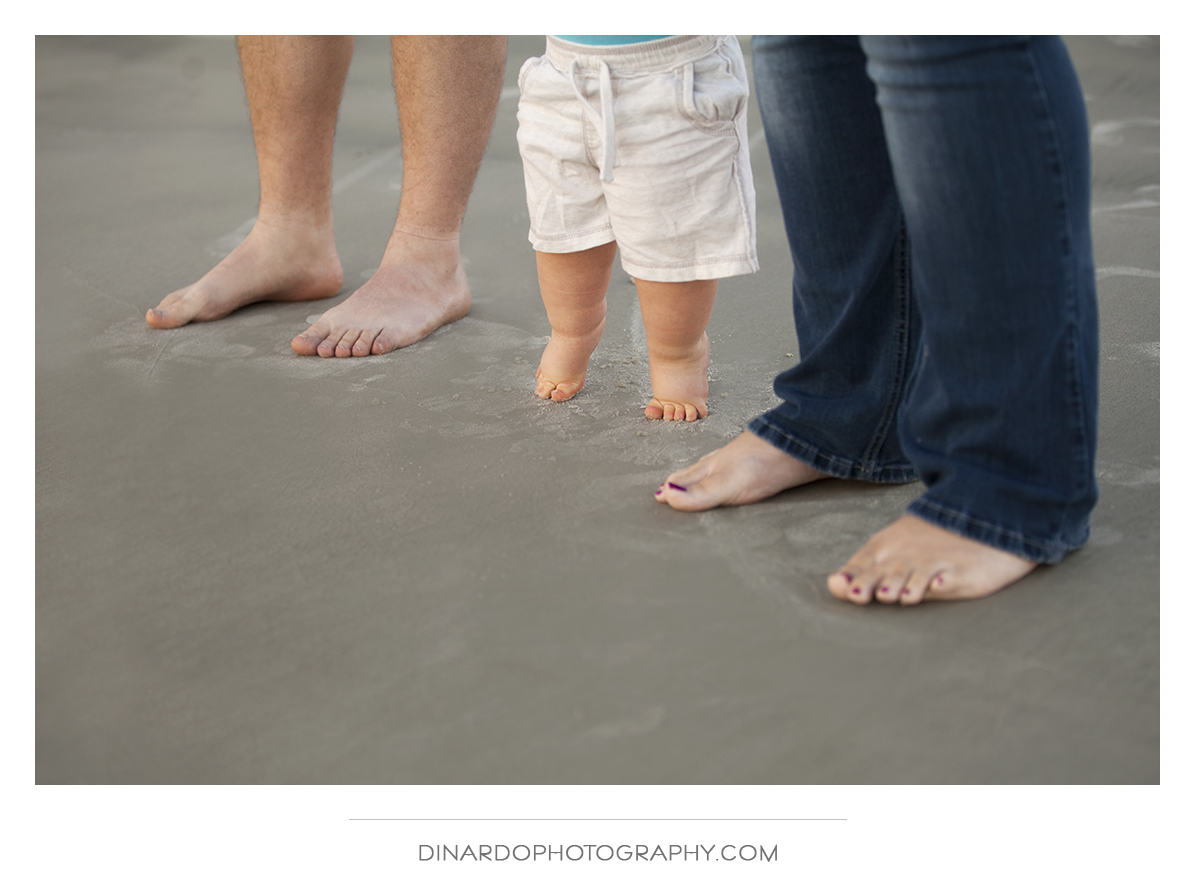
{"type": "Point", "coordinates": [675, 316]}
{"type": "Point", "coordinates": [293, 87]}
{"type": "Point", "coordinates": [573, 287]}
{"type": "Point", "coordinates": [447, 89]}
{"type": "Point", "coordinates": [912, 560]}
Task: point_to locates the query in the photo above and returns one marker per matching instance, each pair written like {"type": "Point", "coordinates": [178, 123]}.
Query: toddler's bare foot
{"type": "Point", "coordinates": [743, 472]}
{"type": "Point", "coordinates": [272, 263]}
{"type": "Point", "coordinates": [420, 286]}
{"type": "Point", "coordinates": [562, 367]}
{"type": "Point", "coordinates": [913, 560]}
{"type": "Point", "coordinates": [680, 384]}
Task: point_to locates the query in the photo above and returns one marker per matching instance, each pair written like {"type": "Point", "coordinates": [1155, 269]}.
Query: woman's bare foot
{"type": "Point", "coordinates": [743, 472]}
{"type": "Point", "coordinates": [420, 286]}
{"type": "Point", "coordinates": [680, 384]}
{"type": "Point", "coordinates": [913, 560]}
{"type": "Point", "coordinates": [272, 263]}
{"type": "Point", "coordinates": [563, 366]}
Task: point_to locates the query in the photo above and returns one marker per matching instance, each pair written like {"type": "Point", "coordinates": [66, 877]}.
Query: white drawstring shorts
{"type": "Point", "coordinates": [643, 144]}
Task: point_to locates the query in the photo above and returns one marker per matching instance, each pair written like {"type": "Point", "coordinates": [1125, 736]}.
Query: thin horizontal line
{"type": "Point", "coordinates": [593, 819]}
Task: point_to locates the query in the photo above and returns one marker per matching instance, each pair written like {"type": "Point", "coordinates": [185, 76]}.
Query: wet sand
{"type": "Point", "coordinates": [259, 568]}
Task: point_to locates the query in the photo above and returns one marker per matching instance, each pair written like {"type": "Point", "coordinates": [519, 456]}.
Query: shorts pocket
{"type": "Point", "coordinates": [525, 71]}
{"type": "Point", "coordinates": [714, 91]}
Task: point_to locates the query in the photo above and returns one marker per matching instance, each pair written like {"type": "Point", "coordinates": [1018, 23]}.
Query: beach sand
{"type": "Point", "coordinates": [254, 567]}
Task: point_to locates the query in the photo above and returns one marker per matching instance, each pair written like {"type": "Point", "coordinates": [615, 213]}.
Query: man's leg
{"type": "Point", "coordinates": [293, 86]}
{"type": "Point", "coordinates": [447, 90]}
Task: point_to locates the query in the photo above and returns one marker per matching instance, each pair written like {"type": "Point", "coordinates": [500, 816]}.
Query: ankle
{"type": "Point", "coordinates": [416, 234]}
{"type": "Point", "coordinates": [587, 332]}
{"type": "Point", "coordinates": [407, 247]}
{"type": "Point", "coordinates": [678, 352]}
{"type": "Point", "coordinates": [302, 220]}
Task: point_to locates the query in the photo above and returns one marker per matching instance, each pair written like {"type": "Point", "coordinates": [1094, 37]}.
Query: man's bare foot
{"type": "Point", "coordinates": [680, 384]}
{"type": "Point", "coordinates": [420, 286]}
{"type": "Point", "coordinates": [563, 366]}
{"type": "Point", "coordinates": [272, 263]}
{"type": "Point", "coordinates": [743, 472]}
{"type": "Point", "coordinates": [913, 560]}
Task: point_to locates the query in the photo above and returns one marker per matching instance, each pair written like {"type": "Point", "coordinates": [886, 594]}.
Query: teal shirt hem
{"type": "Point", "coordinates": [610, 39]}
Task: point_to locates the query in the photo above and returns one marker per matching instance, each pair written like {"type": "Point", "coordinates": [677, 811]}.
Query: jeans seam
{"type": "Point", "coordinates": [901, 347]}
{"type": "Point", "coordinates": [1079, 453]}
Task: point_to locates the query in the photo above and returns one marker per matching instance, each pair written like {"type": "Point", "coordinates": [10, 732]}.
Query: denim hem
{"type": "Point", "coordinates": [826, 463]}
{"type": "Point", "coordinates": [1043, 552]}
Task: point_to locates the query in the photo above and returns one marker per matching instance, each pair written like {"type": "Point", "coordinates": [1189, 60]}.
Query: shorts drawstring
{"type": "Point", "coordinates": [605, 118]}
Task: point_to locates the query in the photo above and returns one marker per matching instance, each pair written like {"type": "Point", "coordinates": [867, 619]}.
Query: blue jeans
{"type": "Point", "coordinates": [936, 194]}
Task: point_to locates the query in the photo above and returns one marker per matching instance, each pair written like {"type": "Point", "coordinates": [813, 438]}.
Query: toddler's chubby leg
{"type": "Point", "coordinates": [675, 316]}
{"type": "Point", "coordinates": [573, 287]}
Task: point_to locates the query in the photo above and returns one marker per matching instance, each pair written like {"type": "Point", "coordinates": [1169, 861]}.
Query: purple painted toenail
{"type": "Point", "coordinates": [883, 590]}
{"type": "Point", "coordinates": [849, 577]}
{"type": "Point", "coordinates": [677, 487]}
{"type": "Point", "coordinates": [855, 590]}
{"type": "Point", "coordinates": [658, 490]}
